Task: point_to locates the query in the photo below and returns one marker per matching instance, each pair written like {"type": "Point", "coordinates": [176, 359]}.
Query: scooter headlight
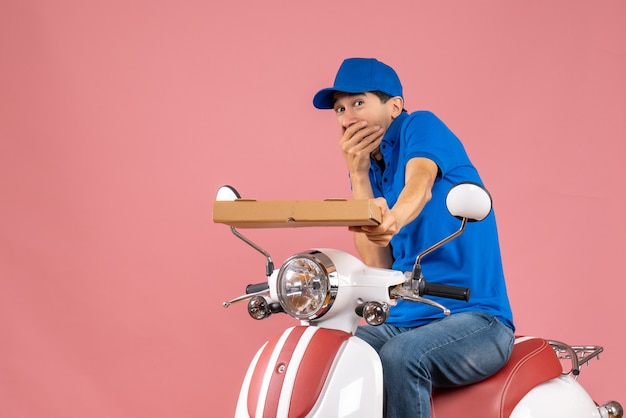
{"type": "Point", "coordinates": [305, 285]}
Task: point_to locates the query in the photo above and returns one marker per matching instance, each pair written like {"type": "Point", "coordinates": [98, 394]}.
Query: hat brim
{"type": "Point", "coordinates": [324, 99]}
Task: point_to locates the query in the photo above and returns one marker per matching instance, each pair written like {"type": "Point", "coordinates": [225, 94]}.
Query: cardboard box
{"type": "Point", "coordinates": [250, 213]}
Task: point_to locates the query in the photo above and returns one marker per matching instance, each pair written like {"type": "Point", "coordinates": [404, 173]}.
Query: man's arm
{"type": "Point", "coordinates": [357, 142]}
{"type": "Point", "coordinates": [371, 254]}
{"type": "Point", "coordinates": [372, 242]}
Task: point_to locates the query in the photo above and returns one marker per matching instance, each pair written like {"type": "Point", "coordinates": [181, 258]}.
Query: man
{"type": "Point", "coordinates": [407, 163]}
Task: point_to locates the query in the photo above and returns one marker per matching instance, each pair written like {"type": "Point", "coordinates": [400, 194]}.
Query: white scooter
{"type": "Point", "coordinates": [320, 369]}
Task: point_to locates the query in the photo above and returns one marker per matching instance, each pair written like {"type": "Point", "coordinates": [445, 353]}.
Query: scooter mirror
{"type": "Point", "coordinates": [470, 201]}
{"type": "Point", "coordinates": [227, 194]}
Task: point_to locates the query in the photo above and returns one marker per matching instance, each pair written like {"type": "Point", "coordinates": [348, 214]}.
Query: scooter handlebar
{"type": "Point", "coordinates": [444, 291]}
{"type": "Point", "coordinates": [257, 287]}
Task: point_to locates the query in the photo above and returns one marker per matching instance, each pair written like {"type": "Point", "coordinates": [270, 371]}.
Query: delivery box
{"type": "Point", "coordinates": [251, 213]}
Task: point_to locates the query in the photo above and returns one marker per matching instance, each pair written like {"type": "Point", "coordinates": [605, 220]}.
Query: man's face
{"type": "Point", "coordinates": [352, 108]}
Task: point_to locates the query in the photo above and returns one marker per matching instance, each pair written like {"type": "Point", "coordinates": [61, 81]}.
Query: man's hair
{"type": "Point", "coordinates": [384, 97]}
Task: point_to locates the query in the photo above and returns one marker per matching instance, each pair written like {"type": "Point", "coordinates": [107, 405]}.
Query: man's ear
{"type": "Point", "coordinates": [397, 104]}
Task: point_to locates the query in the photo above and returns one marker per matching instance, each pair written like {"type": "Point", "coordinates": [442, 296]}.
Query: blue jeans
{"type": "Point", "coordinates": [457, 350]}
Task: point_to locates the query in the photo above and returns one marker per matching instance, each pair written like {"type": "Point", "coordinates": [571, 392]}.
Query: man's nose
{"type": "Point", "coordinates": [348, 119]}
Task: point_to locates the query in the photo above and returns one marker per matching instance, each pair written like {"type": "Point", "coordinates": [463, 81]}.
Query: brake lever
{"type": "Point", "coordinates": [404, 293]}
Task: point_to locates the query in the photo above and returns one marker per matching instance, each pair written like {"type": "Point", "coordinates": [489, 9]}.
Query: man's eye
{"type": "Point", "coordinates": [339, 109]}
{"type": "Point", "coordinates": [358, 102]}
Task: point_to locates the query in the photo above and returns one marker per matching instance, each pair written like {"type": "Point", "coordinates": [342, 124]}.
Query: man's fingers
{"type": "Point", "coordinates": [360, 133]}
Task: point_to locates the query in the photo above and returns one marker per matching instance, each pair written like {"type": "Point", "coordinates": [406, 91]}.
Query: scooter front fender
{"type": "Point", "coordinates": [313, 372]}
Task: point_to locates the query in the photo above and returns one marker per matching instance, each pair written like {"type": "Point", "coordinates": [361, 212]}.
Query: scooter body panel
{"type": "Point", "coordinates": [560, 397]}
{"type": "Point", "coordinates": [281, 382]}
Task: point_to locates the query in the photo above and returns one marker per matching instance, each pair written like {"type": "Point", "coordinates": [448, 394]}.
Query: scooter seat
{"type": "Point", "coordinates": [532, 362]}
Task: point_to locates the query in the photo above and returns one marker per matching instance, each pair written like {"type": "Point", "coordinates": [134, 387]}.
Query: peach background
{"type": "Point", "coordinates": [119, 120]}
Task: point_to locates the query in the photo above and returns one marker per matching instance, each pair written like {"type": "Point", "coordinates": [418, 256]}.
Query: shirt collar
{"type": "Point", "coordinates": [393, 132]}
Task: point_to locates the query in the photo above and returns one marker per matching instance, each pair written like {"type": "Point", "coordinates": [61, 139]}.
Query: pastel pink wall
{"type": "Point", "coordinates": [119, 120]}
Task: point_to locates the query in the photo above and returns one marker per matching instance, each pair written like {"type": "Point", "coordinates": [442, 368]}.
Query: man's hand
{"type": "Point", "coordinates": [357, 142]}
{"type": "Point", "coordinates": [380, 235]}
